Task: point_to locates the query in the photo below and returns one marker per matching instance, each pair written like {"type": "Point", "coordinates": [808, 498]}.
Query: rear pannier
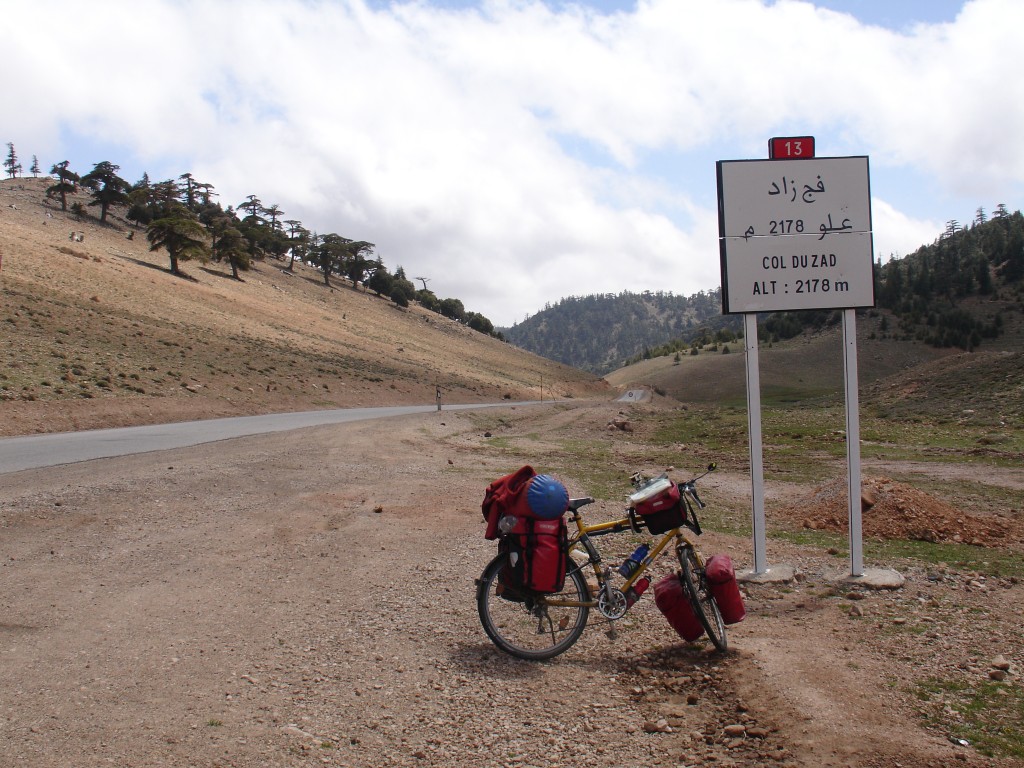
{"type": "Point", "coordinates": [525, 511]}
{"type": "Point", "coordinates": [722, 584]}
{"type": "Point", "coordinates": [537, 555]}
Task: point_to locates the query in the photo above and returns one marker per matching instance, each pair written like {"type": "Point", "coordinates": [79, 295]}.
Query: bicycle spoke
{"type": "Point", "coordinates": [525, 624]}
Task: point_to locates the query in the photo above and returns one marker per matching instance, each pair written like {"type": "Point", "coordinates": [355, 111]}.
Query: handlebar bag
{"type": "Point", "coordinates": [538, 554]}
{"type": "Point", "coordinates": [659, 505]}
{"type": "Point", "coordinates": [671, 599]}
{"type": "Point", "coordinates": [723, 587]}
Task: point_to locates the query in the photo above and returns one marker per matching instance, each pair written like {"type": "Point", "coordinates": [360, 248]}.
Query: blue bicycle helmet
{"type": "Point", "coordinates": [546, 497]}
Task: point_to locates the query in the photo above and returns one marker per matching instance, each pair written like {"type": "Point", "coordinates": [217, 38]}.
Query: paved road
{"type": "Point", "coordinates": [635, 396]}
{"type": "Point", "coordinates": [35, 451]}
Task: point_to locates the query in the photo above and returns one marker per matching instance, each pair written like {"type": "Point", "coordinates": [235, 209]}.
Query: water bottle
{"type": "Point", "coordinates": [634, 592]}
{"type": "Point", "coordinates": [629, 567]}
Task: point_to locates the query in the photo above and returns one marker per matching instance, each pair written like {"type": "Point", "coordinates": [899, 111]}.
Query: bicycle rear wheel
{"type": "Point", "coordinates": [704, 605]}
{"type": "Point", "coordinates": [525, 624]}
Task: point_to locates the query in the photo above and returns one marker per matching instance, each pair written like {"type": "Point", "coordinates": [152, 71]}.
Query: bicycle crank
{"type": "Point", "coordinates": [612, 603]}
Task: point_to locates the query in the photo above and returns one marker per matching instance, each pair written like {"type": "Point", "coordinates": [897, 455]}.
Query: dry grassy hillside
{"type": "Point", "coordinates": [97, 333]}
{"type": "Point", "coordinates": [804, 367]}
{"type": "Point", "coordinates": [905, 378]}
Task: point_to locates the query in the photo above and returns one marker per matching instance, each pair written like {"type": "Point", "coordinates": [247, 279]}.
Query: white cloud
{"type": "Point", "coordinates": [504, 150]}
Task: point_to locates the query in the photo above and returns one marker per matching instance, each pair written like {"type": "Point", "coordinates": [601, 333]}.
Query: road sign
{"type": "Point", "coordinates": [795, 234]}
{"type": "Point", "coordinates": [791, 147]}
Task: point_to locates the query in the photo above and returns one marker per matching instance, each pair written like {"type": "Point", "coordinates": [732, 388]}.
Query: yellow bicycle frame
{"type": "Point", "coordinates": [616, 526]}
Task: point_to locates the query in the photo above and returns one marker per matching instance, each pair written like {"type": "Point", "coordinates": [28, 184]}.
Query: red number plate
{"type": "Point", "coordinates": [790, 147]}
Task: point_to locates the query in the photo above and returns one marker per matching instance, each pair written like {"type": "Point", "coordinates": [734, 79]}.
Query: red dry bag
{"type": "Point", "coordinates": [724, 589]}
{"type": "Point", "coordinates": [671, 599]}
{"type": "Point", "coordinates": [506, 496]}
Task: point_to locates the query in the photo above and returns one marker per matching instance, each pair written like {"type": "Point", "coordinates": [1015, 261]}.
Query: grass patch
{"type": "Point", "coordinates": [998, 563]}
{"type": "Point", "coordinates": [987, 714]}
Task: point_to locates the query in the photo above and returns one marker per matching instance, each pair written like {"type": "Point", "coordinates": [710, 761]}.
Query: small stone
{"type": "Point", "coordinates": [657, 726]}
{"type": "Point", "coordinates": [1000, 662]}
{"type": "Point", "coordinates": [856, 610]}
{"type": "Point", "coordinates": [854, 595]}
{"type": "Point", "coordinates": [692, 698]}
{"type": "Point", "coordinates": [997, 674]}
{"type": "Point", "coordinates": [757, 733]}
{"type": "Point", "coordinates": [737, 729]}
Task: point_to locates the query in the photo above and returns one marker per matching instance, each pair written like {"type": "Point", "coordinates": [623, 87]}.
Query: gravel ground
{"type": "Point", "coordinates": [307, 598]}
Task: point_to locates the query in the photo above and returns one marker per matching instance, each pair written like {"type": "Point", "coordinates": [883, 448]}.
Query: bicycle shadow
{"type": "Point", "coordinates": [596, 656]}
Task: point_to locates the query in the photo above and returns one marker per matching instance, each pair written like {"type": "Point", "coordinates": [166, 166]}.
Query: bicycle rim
{"type": "Point", "coordinates": [524, 624]}
{"type": "Point", "coordinates": [704, 605]}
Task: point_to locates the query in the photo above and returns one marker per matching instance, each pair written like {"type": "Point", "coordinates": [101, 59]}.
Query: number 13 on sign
{"type": "Point", "coordinates": [791, 147]}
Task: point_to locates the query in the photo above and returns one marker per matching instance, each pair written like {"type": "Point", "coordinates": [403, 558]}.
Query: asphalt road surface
{"type": "Point", "coordinates": [35, 451]}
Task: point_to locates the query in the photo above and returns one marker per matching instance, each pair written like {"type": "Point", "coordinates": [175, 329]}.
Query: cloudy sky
{"type": "Point", "coordinates": [517, 151]}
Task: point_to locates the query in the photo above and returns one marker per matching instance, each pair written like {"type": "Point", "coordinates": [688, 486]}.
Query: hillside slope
{"type": "Point", "coordinates": [898, 378]}
{"type": "Point", "coordinates": [599, 332]}
{"type": "Point", "coordinates": [99, 327]}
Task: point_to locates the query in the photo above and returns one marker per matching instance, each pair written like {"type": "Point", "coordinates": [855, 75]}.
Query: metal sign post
{"type": "Point", "coordinates": [756, 445]}
{"type": "Point", "coordinates": [853, 440]}
{"type": "Point", "coordinates": [795, 233]}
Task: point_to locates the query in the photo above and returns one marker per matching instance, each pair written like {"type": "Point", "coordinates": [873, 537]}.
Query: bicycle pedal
{"type": "Point", "coordinates": [612, 634]}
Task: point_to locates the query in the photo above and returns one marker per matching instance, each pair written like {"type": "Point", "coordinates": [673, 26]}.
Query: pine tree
{"type": "Point", "coordinates": [67, 181]}
{"type": "Point", "coordinates": [11, 163]}
{"type": "Point", "coordinates": [107, 187]}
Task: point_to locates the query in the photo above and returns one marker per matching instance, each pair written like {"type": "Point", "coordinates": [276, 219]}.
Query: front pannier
{"type": "Point", "coordinates": [671, 599]}
{"type": "Point", "coordinates": [659, 505]}
{"type": "Point", "coordinates": [722, 584]}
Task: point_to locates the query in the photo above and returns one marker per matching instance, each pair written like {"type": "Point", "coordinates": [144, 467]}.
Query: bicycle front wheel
{"type": "Point", "coordinates": [704, 605]}
{"type": "Point", "coordinates": [526, 624]}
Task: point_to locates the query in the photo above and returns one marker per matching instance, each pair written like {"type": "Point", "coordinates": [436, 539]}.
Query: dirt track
{"type": "Point", "coordinates": [306, 598]}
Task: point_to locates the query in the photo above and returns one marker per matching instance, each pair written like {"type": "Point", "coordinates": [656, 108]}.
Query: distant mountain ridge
{"type": "Point", "coordinates": [599, 332]}
{"type": "Point", "coordinates": [961, 291]}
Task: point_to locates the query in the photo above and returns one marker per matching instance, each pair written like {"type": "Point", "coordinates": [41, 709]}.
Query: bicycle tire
{"type": "Point", "coordinates": [524, 624]}
{"type": "Point", "coordinates": [701, 600]}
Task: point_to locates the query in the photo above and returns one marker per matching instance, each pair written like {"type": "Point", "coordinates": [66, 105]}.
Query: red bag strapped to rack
{"type": "Point", "coordinates": [534, 534]}
{"type": "Point", "coordinates": [506, 496]}
{"type": "Point", "coordinates": [722, 583]}
{"type": "Point", "coordinates": [671, 599]}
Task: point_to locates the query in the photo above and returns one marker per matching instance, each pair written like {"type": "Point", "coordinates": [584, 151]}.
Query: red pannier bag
{"type": "Point", "coordinates": [506, 496]}
{"type": "Point", "coordinates": [722, 583]}
{"type": "Point", "coordinates": [671, 599]}
{"type": "Point", "coordinates": [659, 505]}
{"type": "Point", "coordinates": [538, 553]}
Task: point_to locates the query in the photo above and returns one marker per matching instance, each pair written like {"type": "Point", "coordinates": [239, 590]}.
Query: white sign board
{"type": "Point", "coordinates": [795, 234]}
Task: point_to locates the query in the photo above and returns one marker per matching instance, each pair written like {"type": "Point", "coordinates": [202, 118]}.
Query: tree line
{"type": "Point", "coordinates": [602, 332]}
{"type": "Point", "coordinates": [954, 292]}
{"type": "Point", "coordinates": [181, 217]}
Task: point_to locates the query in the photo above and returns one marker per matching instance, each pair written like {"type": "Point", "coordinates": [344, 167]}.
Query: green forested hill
{"type": "Point", "coordinates": [598, 333]}
{"type": "Point", "coordinates": [963, 291]}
